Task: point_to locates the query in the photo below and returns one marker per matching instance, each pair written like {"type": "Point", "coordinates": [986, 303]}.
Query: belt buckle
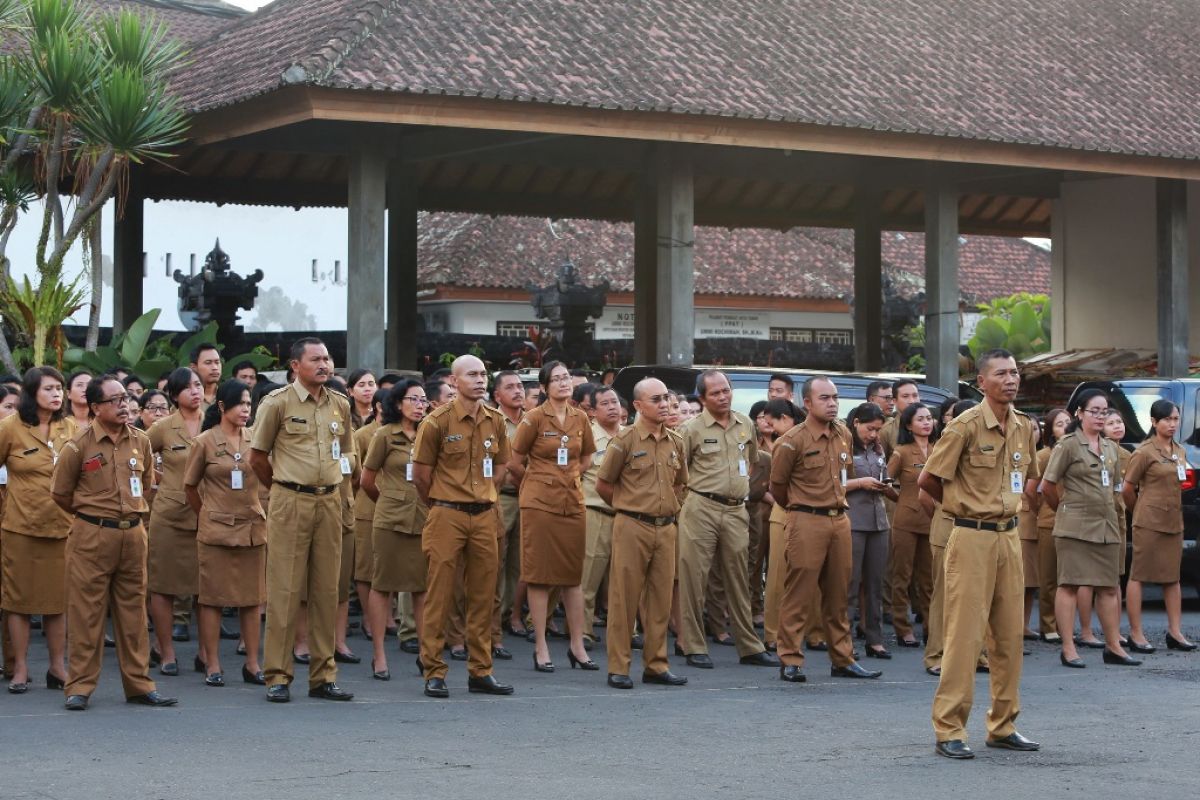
{"type": "Point", "coordinates": [322, 490]}
{"type": "Point", "coordinates": [660, 521]}
{"type": "Point", "coordinates": [833, 512]}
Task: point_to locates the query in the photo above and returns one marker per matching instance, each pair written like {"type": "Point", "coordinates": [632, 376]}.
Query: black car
{"type": "Point", "coordinates": [1133, 398]}
{"type": "Point", "coordinates": [750, 384]}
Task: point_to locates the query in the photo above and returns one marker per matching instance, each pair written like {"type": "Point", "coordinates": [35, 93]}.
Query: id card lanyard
{"type": "Point", "coordinates": [236, 480]}
{"type": "Point", "coordinates": [743, 467]}
{"type": "Point", "coordinates": [135, 480]}
{"type": "Point", "coordinates": [335, 450]}
{"type": "Point", "coordinates": [487, 458]}
{"type": "Point", "coordinates": [562, 450]}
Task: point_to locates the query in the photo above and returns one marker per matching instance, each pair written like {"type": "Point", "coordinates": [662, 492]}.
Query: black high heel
{"type": "Point", "coordinates": [1074, 663]}
{"type": "Point", "coordinates": [547, 667]}
{"type": "Point", "coordinates": [1175, 644]}
{"type": "Point", "coordinates": [256, 678]}
{"type": "Point", "coordinates": [53, 681]}
{"type": "Point", "coordinates": [199, 666]}
{"type": "Point", "coordinates": [380, 674]}
{"type": "Point", "coordinates": [588, 665]}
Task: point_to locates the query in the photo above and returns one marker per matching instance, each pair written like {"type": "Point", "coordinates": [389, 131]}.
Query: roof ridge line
{"type": "Point", "coordinates": [323, 63]}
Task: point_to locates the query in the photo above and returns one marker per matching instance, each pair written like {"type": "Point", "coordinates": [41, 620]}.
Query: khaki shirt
{"type": "Point", "coordinates": [399, 507]}
{"type": "Point", "coordinates": [602, 439]}
{"type": "Point", "coordinates": [714, 454]}
{"type": "Point", "coordinates": [1045, 514]}
{"type": "Point", "coordinates": [645, 470]}
{"type": "Point", "coordinates": [1153, 471]}
{"type": "Point", "coordinates": [905, 465]}
{"type": "Point", "coordinates": [30, 464]}
{"type": "Point", "coordinates": [760, 476]}
{"type": "Point", "coordinates": [299, 430]}
{"type": "Point", "coordinates": [1125, 456]}
{"type": "Point", "coordinates": [888, 435]}
{"type": "Point", "coordinates": [1086, 509]}
{"type": "Point", "coordinates": [364, 506]}
{"type": "Point", "coordinates": [94, 471]}
{"type": "Point", "coordinates": [228, 517]}
{"type": "Point", "coordinates": [454, 444]}
{"type": "Point", "coordinates": [510, 485]}
{"type": "Point", "coordinates": [941, 527]}
{"type": "Point", "coordinates": [810, 464]}
{"type": "Point", "coordinates": [546, 485]}
{"type": "Point", "coordinates": [976, 462]}
{"type": "Point", "coordinates": [171, 445]}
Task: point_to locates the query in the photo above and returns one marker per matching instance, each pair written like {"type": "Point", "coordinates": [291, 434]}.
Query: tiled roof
{"type": "Point", "coordinates": [188, 20]}
{"type": "Point", "coordinates": [1107, 75]}
{"type": "Point", "coordinates": [817, 263]}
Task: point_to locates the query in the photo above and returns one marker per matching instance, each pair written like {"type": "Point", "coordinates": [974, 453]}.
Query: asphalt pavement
{"type": "Point", "coordinates": [734, 731]}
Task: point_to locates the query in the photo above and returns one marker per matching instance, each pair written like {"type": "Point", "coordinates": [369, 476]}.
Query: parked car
{"type": "Point", "coordinates": [750, 384]}
{"type": "Point", "coordinates": [1133, 398]}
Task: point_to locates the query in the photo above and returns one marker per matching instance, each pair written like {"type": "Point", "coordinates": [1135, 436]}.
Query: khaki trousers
{"type": "Point", "coordinates": [937, 598]}
{"type": "Point", "coordinates": [716, 606]}
{"type": "Point", "coordinates": [406, 620]}
{"type": "Point", "coordinates": [818, 556]}
{"type": "Point", "coordinates": [106, 570]}
{"type": "Point", "coordinates": [508, 567]}
{"type": "Point", "coordinates": [757, 554]}
{"type": "Point", "coordinates": [305, 532]}
{"type": "Point", "coordinates": [596, 558]}
{"type": "Point", "coordinates": [774, 587]}
{"type": "Point", "coordinates": [984, 597]}
{"type": "Point", "coordinates": [642, 568]}
{"type": "Point", "coordinates": [911, 567]}
{"type": "Point", "coordinates": [1048, 576]}
{"type": "Point", "coordinates": [448, 538]}
{"type": "Point", "coordinates": [456, 624]}
{"type": "Point", "coordinates": [346, 571]}
{"type": "Point", "coordinates": [713, 536]}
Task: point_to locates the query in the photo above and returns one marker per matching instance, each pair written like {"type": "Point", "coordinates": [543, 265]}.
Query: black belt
{"type": "Point", "coordinates": [508, 490]}
{"type": "Point", "coordinates": [302, 489]}
{"type": "Point", "coordinates": [649, 519]}
{"type": "Point", "coordinates": [608, 512]}
{"type": "Point", "coordinates": [732, 502]}
{"type": "Point", "coordinates": [466, 508]}
{"type": "Point", "coordinates": [820, 512]}
{"type": "Point", "coordinates": [980, 525]}
{"type": "Point", "coordinates": [119, 524]}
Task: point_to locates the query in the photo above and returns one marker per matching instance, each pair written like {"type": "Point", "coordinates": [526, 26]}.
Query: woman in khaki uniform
{"type": "Point", "coordinates": [171, 563]}
{"type": "Point", "coordinates": [1028, 533]}
{"type": "Point", "coordinates": [1151, 489]}
{"type": "Point", "coordinates": [1054, 427]}
{"type": "Point", "coordinates": [783, 416]}
{"type": "Point", "coordinates": [557, 444]}
{"type": "Point", "coordinates": [231, 539]}
{"type": "Point", "coordinates": [33, 556]}
{"type": "Point", "coordinates": [912, 560]}
{"type": "Point", "coordinates": [1078, 484]}
{"type": "Point", "coordinates": [364, 513]}
{"type": "Point", "coordinates": [398, 563]}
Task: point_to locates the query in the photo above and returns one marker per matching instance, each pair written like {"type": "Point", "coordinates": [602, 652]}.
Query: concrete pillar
{"type": "Point", "coordinates": [1172, 255]}
{"type": "Point", "coordinates": [128, 260]}
{"type": "Point", "coordinates": [868, 282]}
{"type": "Point", "coordinates": [941, 287]}
{"type": "Point", "coordinates": [1058, 275]}
{"type": "Point", "coordinates": [401, 341]}
{"type": "Point", "coordinates": [366, 290]}
{"type": "Point", "coordinates": [664, 240]}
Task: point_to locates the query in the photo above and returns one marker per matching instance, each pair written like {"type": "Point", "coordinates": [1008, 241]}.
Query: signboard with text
{"type": "Point", "coordinates": [618, 324]}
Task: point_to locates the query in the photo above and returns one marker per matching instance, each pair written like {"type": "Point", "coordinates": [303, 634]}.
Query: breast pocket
{"type": "Point", "coordinates": [983, 460]}
{"type": "Point", "coordinates": [816, 461]}
{"type": "Point", "coordinates": [296, 427]}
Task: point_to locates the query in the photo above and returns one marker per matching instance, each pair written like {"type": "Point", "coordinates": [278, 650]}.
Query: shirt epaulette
{"type": "Point", "coordinates": [280, 390]}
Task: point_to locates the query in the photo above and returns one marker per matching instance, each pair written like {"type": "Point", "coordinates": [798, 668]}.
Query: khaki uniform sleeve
{"type": "Point", "coordinates": [346, 438]}
{"type": "Point", "coordinates": [376, 451]}
{"type": "Point", "coordinates": [589, 441]}
{"type": "Point", "coordinates": [266, 424]}
{"type": "Point", "coordinates": [943, 460]}
{"type": "Point", "coordinates": [503, 445]}
{"type": "Point", "coordinates": [614, 460]}
{"type": "Point", "coordinates": [429, 442]}
{"type": "Point", "coordinates": [147, 463]}
{"type": "Point", "coordinates": [752, 447]}
{"type": "Point", "coordinates": [66, 471]}
{"type": "Point", "coordinates": [525, 436]}
{"type": "Point", "coordinates": [1138, 464]}
{"type": "Point", "coordinates": [155, 435]}
{"type": "Point", "coordinates": [6, 437]}
{"type": "Point", "coordinates": [1060, 461]}
{"type": "Point", "coordinates": [1035, 471]}
{"type": "Point", "coordinates": [681, 475]}
{"type": "Point", "coordinates": [193, 471]}
{"type": "Point", "coordinates": [783, 459]}
{"type": "Point", "coordinates": [895, 464]}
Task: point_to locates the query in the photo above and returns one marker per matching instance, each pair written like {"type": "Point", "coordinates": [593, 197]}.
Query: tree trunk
{"type": "Point", "coordinates": [6, 355]}
{"type": "Point", "coordinates": [96, 264]}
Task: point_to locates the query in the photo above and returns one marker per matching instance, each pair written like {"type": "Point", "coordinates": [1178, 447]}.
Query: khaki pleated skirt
{"type": "Point", "coordinates": [1156, 556]}
{"type": "Point", "coordinates": [232, 577]}
{"type": "Point", "coordinates": [32, 574]}
{"type": "Point", "coordinates": [399, 562]}
{"type": "Point", "coordinates": [364, 551]}
{"type": "Point", "coordinates": [552, 547]}
{"type": "Point", "coordinates": [1029, 563]}
{"type": "Point", "coordinates": [171, 564]}
{"type": "Point", "coordinates": [1083, 563]}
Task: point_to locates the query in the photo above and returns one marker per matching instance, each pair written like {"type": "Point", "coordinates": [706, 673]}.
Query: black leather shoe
{"type": "Point", "coordinates": [256, 678]}
{"type": "Point", "coordinates": [934, 671]}
{"type": "Point", "coordinates": [728, 640]}
{"type": "Point", "coordinates": [380, 674]}
{"type": "Point", "coordinates": [637, 642]}
{"type": "Point", "coordinates": [1122, 661]}
{"type": "Point", "coordinates": [501, 652]}
{"type": "Point", "coordinates": [18, 688]}
{"type": "Point", "coordinates": [436, 687]}
{"type": "Point", "coordinates": [1144, 649]}
{"type": "Point", "coordinates": [1093, 644]}
{"type": "Point", "coordinates": [487, 684]}
{"type": "Point", "coordinates": [854, 670]}
{"type": "Point", "coordinates": [700, 661]}
{"type": "Point", "coordinates": [1014, 741]}
{"type": "Point", "coordinates": [763, 659]}
{"type": "Point", "coordinates": [199, 666]}
{"type": "Point", "coordinates": [772, 647]}
{"type": "Point", "coordinates": [155, 657]}
{"type": "Point", "coordinates": [301, 658]}
{"type": "Point", "coordinates": [227, 634]}
{"type": "Point", "coordinates": [586, 666]}
{"type": "Point", "coordinates": [151, 699]}
{"type": "Point", "coordinates": [983, 669]}
{"type": "Point", "coordinates": [817, 646]}
{"type": "Point", "coordinates": [880, 653]}
{"type": "Point", "coordinates": [792, 674]}
{"type": "Point", "coordinates": [346, 658]}
{"type": "Point", "coordinates": [76, 702]}
{"type": "Point", "coordinates": [180, 633]}
{"type": "Point", "coordinates": [330, 691]}
{"type": "Point", "coordinates": [458, 653]}
{"type": "Point", "coordinates": [1184, 646]}
{"type": "Point", "coordinates": [619, 681]}
{"type": "Point", "coordinates": [170, 669]}
{"type": "Point", "coordinates": [54, 682]}
{"type": "Point", "coordinates": [216, 679]}
{"type": "Point", "coordinates": [679, 651]}
{"type": "Point", "coordinates": [411, 646]}
{"type": "Point", "coordinates": [955, 748]}
{"type": "Point", "coordinates": [1073, 663]}
{"type": "Point", "coordinates": [279, 693]}
{"type": "Point", "coordinates": [109, 641]}
{"type": "Point", "coordinates": [667, 678]}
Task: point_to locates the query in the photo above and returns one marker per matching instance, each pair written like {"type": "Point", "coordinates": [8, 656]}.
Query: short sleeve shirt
{"type": "Point", "coordinates": [866, 507]}
{"type": "Point", "coordinates": [455, 444]}
{"type": "Point", "coordinates": [720, 459]}
{"type": "Point", "coordinates": [299, 429]}
{"type": "Point", "coordinates": [30, 463]}
{"type": "Point", "coordinates": [645, 470]}
{"type": "Point", "coordinates": [809, 461]}
{"type": "Point", "coordinates": [1154, 471]}
{"type": "Point", "coordinates": [228, 517]}
{"type": "Point", "coordinates": [399, 507]}
{"type": "Point", "coordinates": [94, 470]}
{"type": "Point", "coordinates": [905, 466]}
{"type": "Point", "coordinates": [1045, 514]}
{"type": "Point", "coordinates": [547, 485]}
{"type": "Point", "coordinates": [364, 506]}
{"type": "Point", "coordinates": [602, 438]}
{"type": "Point", "coordinates": [171, 445]}
{"type": "Point", "coordinates": [1085, 483]}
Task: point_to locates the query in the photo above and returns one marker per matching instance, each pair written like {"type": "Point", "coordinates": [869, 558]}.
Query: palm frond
{"type": "Point", "coordinates": [134, 115]}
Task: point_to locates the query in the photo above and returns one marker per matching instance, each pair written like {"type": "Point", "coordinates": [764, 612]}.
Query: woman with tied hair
{"type": "Point", "coordinates": [912, 557]}
{"type": "Point", "coordinates": [1054, 427]}
{"type": "Point", "coordinates": [360, 389]}
{"type": "Point", "coordinates": [1152, 490]}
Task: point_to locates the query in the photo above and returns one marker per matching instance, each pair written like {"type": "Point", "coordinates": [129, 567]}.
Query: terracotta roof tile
{"type": "Point", "coordinates": [1108, 75]}
{"type": "Point", "coordinates": [190, 22]}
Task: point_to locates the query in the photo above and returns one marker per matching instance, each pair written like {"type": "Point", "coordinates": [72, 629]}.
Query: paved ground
{"type": "Point", "coordinates": [734, 732]}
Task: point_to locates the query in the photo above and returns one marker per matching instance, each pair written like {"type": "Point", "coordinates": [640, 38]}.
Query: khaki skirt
{"type": "Point", "coordinates": [1083, 563]}
{"type": "Point", "coordinates": [171, 561]}
{"type": "Point", "coordinates": [33, 572]}
{"type": "Point", "coordinates": [552, 547]}
{"type": "Point", "coordinates": [364, 551]}
{"type": "Point", "coordinates": [1029, 562]}
{"type": "Point", "coordinates": [1156, 556]}
{"type": "Point", "coordinates": [399, 562]}
{"type": "Point", "coordinates": [232, 577]}
{"type": "Point", "coordinates": [346, 573]}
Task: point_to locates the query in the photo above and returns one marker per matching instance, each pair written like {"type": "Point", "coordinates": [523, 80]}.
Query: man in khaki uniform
{"type": "Point", "coordinates": [810, 466]}
{"type": "Point", "coordinates": [458, 464]}
{"type": "Point", "coordinates": [302, 450]}
{"type": "Point", "coordinates": [643, 473]}
{"type": "Point", "coordinates": [598, 551]}
{"type": "Point", "coordinates": [720, 447]}
{"type": "Point", "coordinates": [509, 394]}
{"type": "Point", "coordinates": [978, 470]}
{"type": "Point", "coordinates": [102, 478]}
{"type": "Point", "coordinates": [904, 394]}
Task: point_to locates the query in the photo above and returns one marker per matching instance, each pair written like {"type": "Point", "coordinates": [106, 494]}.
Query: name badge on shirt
{"type": "Point", "coordinates": [336, 449]}
{"type": "Point", "coordinates": [743, 471]}
{"type": "Point", "coordinates": [1181, 471]}
{"type": "Point", "coordinates": [235, 479]}
{"type": "Point", "coordinates": [344, 462]}
{"type": "Point", "coordinates": [1017, 480]}
{"type": "Point", "coordinates": [3, 476]}
{"type": "Point", "coordinates": [1105, 481]}
{"type": "Point", "coordinates": [487, 466]}
{"type": "Point", "coordinates": [562, 452]}
{"type": "Point", "coordinates": [408, 472]}
{"type": "Point", "coordinates": [135, 486]}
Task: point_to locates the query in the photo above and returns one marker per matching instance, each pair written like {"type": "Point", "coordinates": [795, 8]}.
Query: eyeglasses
{"type": "Point", "coordinates": [560, 379]}
{"type": "Point", "coordinates": [156, 409]}
{"type": "Point", "coordinates": [417, 401]}
{"type": "Point", "coordinates": [121, 398]}
{"type": "Point", "coordinates": [1096, 412]}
